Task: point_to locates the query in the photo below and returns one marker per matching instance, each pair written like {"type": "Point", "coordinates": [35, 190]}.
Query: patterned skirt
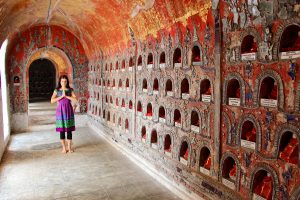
{"type": "Point", "coordinates": [65, 120]}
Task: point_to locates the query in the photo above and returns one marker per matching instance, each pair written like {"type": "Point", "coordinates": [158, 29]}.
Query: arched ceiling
{"type": "Point", "coordinates": [99, 24]}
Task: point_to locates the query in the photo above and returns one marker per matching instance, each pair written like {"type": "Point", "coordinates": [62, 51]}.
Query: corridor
{"type": "Point", "coordinates": [33, 167]}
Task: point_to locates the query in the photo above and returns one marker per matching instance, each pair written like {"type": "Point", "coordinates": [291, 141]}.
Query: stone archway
{"type": "Point", "coordinates": [42, 80]}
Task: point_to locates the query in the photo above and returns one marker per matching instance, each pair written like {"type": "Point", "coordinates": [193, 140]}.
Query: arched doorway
{"type": "Point", "coordinates": [42, 80]}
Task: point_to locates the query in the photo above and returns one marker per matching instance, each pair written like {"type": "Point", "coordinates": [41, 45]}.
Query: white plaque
{"type": "Point", "coordinates": [234, 101]}
{"type": "Point", "coordinates": [139, 113]}
{"type": "Point", "coordinates": [140, 67]}
{"type": "Point", "coordinates": [248, 144]}
{"type": "Point", "coordinates": [177, 65]}
{"type": "Point", "coordinates": [228, 183]}
{"type": "Point", "coordinates": [204, 171]}
{"type": "Point", "coordinates": [123, 108]}
{"type": "Point", "coordinates": [257, 197]}
{"type": "Point", "coordinates": [150, 66]}
{"type": "Point", "coordinates": [145, 90]}
{"type": "Point", "coordinates": [195, 128]}
{"type": "Point", "coordinates": [183, 161]}
{"type": "Point", "coordinates": [162, 120]}
{"type": "Point", "coordinates": [155, 92]}
{"type": "Point", "coordinates": [170, 93]}
{"type": "Point", "coordinates": [114, 88]}
{"type": "Point", "coordinates": [168, 153]}
{"type": "Point", "coordinates": [128, 89]}
{"type": "Point", "coordinates": [144, 140]}
{"type": "Point", "coordinates": [289, 55]}
{"type": "Point", "coordinates": [198, 63]}
{"type": "Point", "coordinates": [130, 69]}
{"type": "Point", "coordinates": [206, 98]}
{"type": "Point", "coordinates": [154, 145]}
{"type": "Point", "coordinates": [185, 96]}
{"type": "Point", "coordinates": [268, 103]}
{"type": "Point", "coordinates": [178, 124]}
{"type": "Point", "coordinates": [249, 56]}
{"type": "Point", "coordinates": [162, 65]}
{"type": "Point", "coordinates": [126, 131]}
{"type": "Point", "coordinates": [123, 70]}
{"type": "Point", "coordinates": [149, 117]}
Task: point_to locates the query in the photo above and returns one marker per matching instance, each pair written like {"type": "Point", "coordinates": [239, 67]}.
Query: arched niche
{"type": "Point", "coordinates": [139, 107]}
{"type": "Point", "coordinates": [123, 65]}
{"type": "Point", "coordinates": [149, 113]}
{"type": "Point", "coordinates": [103, 116]}
{"type": "Point", "coordinates": [205, 161]}
{"type": "Point", "coordinates": [185, 89]}
{"type": "Point", "coordinates": [238, 89]}
{"type": "Point", "coordinates": [111, 100]}
{"type": "Point", "coordinates": [140, 62]}
{"type": "Point", "coordinates": [195, 121]}
{"type": "Point", "coordinates": [177, 58]}
{"type": "Point", "coordinates": [196, 55]}
{"type": "Point", "coordinates": [162, 60]}
{"type": "Point", "coordinates": [249, 133]}
{"type": "Point", "coordinates": [131, 64]}
{"type": "Point", "coordinates": [289, 47]}
{"type": "Point", "coordinates": [110, 67]}
{"type": "Point", "coordinates": [230, 171]}
{"type": "Point", "coordinates": [177, 118]}
{"type": "Point", "coordinates": [145, 85]}
{"type": "Point", "coordinates": [268, 92]}
{"type": "Point", "coordinates": [127, 125]}
{"type": "Point", "coordinates": [162, 114]}
{"type": "Point", "coordinates": [114, 84]}
{"type": "Point", "coordinates": [150, 61]}
{"type": "Point", "coordinates": [262, 185]}
{"type": "Point", "coordinates": [127, 84]}
{"type": "Point", "coordinates": [117, 102]}
{"type": "Point", "coordinates": [154, 140]}
{"type": "Point", "coordinates": [130, 105]}
{"type": "Point", "coordinates": [205, 91]}
{"type": "Point", "coordinates": [117, 66]}
{"type": "Point", "coordinates": [123, 103]}
{"type": "Point", "coordinates": [249, 48]}
{"type": "Point", "coordinates": [144, 134]}
{"type": "Point", "coordinates": [234, 92]}
{"type": "Point", "coordinates": [275, 85]}
{"type": "Point", "coordinates": [169, 88]}
{"type": "Point", "coordinates": [168, 145]}
{"type": "Point", "coordinates": [184, 152]}
{"type": "Point", "coordinates": [288, 149]}
{"type": "Point", "coordinates": [155, 86]}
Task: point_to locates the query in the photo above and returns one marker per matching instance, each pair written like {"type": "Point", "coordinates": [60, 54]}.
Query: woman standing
{"type": "Point", "coordinates": [65, 121]}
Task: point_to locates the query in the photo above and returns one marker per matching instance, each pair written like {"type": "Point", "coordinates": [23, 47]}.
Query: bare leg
{"type": "Point", "coordinates": [70, 146]}
{"type": "Point", "coordinates": [63, 144]}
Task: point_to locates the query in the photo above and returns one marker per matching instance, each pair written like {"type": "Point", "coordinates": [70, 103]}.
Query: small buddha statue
{"type": "Point", "coordinates": [207, 163]}
{"type": "Point", "coordinates": [264, 188]}
{"type": "Point", "coordinates": [273, 93]}
{"type": "Point", "coordinates": [232, 172]}
{"type": "Point", "coordinates": [186, 154]}
{"type": "Point", "coordinates": [254, 46]}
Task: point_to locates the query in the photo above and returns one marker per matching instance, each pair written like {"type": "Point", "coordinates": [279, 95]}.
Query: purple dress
{"type": "Point", "coordinates": [65, 120]}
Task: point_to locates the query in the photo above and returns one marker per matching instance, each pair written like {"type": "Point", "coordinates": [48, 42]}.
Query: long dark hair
{"type": "Point", "coordinates": [63, 77]}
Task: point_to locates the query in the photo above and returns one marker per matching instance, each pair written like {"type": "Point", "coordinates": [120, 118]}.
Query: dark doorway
{"type": "Point", "coordinates": [42, 75]}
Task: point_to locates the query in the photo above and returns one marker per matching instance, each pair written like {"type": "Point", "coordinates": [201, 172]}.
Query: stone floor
{"type": "Point", "coordinates": [33, 167]}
